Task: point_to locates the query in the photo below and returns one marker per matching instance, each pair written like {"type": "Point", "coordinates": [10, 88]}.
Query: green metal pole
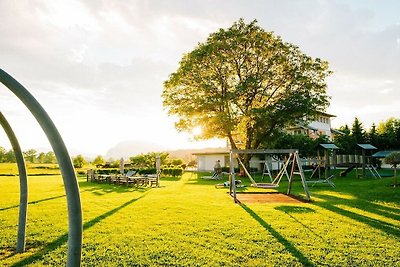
{"type": "Point", "coordinates": [64, 161]}
{"type": "Point", "coordinates": [23, 184]}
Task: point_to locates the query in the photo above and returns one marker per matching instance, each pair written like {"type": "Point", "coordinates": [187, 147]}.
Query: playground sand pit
{"type": "Point", "coordinates": [250, 198]}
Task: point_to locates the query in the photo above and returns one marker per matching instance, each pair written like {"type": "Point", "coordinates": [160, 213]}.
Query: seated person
{"type": "Point", "coordinates": [217, 169]}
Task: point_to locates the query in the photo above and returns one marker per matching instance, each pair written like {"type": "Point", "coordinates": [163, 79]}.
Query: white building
{"type": "Point", "coordinates": [321, 125]}
{"type": "Point", "coordinates": [206, 160]}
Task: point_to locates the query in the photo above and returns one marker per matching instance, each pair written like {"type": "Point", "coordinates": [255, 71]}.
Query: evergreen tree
{"type": "Point", "coordinates": [358, 132]}
{"type": "Point", "coordinates": [372, 136]}
{"type": "Point", "coordinates": [346, 142]}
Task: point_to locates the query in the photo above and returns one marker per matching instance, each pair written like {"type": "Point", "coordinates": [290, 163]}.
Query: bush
{"type": "Point", "coordinates": [145, 171]}
{"type": "Point", "coordinates": [172, 171]}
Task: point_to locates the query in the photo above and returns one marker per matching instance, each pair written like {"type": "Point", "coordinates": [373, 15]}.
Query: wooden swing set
{"type": "Point", "coordinates": [292, 162]}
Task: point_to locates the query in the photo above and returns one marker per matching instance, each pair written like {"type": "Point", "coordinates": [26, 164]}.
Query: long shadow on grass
{"type": "Point", "coordinates": [64, 238]}
{"type": "Point", "coordinates": [196, 179]}
{"type": "Point", "coordinates": [368, 206]}
{"type": "Point", "coordinates": [294, 209]}
{"type": "Point", "coordinates": [33, 202]}
{"type": "Point", "coordinates": [105, 188]}
{"type": "Point", "coordinates": [375, 223]}
{"type": "Point", "coordinates": [289, 246]}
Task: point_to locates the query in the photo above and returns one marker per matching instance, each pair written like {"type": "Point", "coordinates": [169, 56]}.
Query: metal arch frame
{"type": "Point", "coordinates": [23, 184]}
{"type": "Point", "coordinates": [64, 161]}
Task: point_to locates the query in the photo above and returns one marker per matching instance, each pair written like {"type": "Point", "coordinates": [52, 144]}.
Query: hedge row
{"type": "Point", "coordinates": [172, 172]}
{"type": "Point", "coordinates": [164, 171]}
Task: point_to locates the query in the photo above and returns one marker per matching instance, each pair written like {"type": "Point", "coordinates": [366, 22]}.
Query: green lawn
{"type": "Point", "coordinates": [188, 222]}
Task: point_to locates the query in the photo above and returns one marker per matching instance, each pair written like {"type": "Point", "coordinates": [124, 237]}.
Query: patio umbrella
{"type": "Point", "coordinates": [121, 165]}
{"type": "Point", "coordinates": [158, 163]}
{"type": "Point", "coordinates": [158, 167]}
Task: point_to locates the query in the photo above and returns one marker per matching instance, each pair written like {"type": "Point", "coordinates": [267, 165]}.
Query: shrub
{"type": "Point", "coordinates": [172, 171]}
{"type": "Point", "coordinates": [145, 171]}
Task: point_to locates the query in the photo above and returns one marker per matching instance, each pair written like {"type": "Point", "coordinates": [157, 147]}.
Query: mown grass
{"type": "Point", "coordinates": [188, 222]}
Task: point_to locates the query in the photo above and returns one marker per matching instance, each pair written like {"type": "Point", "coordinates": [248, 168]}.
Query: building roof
{"type": "Point", "coordinates": [327, 114]}
{"type": "Point", "coordinates": [329, 146]}
{"type": "Point", "coordinates": [301, 125]}
{"type": "Point", "coordinates": [366, 146]}
{"type": "Point", "coordinates": [211, 153]}
{"type": "Point", "coordinates": [383, 154]}
{"type": "Point", "coordinates": [337, 131]}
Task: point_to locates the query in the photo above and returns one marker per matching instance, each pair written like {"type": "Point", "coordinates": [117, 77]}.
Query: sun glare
{"type": "Point", "coordinates": [197, 130]}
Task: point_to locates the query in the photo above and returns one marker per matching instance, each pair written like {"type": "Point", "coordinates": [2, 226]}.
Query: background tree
{"type": "Point", "coordinates": [372, 136]}
{"type": "Point", "coordinates": [50, 157]}
{"type": "Point", "coordinates": [389, 132]}
{"type": "Point", "coordinates": [393, 159]}
{"type": "Point", "coordinates": [30, 155]}
{"type": "Point", "coordinates": [41, 157]}
{"type": "Point", "coordinates": [307, 146]}
{"type": "Point", "coordinates": [99, 160]}
{"type": "Point", "coordinates": [79, 161]}
{"type": "Point", "coordinates": [3, 153]}
{"type": "Point", "coordinates": [345, 142]}
{"type": "Point", "coordinates": [149, 160]}
{"type": "Point", "coordinates": [176, 162]}
{"type": "Point", "coordinates": [358, 132]}
{"type": "Point", "coordinates": [245, 84]}
{"type": "Point", "coordinates": [10, 156]}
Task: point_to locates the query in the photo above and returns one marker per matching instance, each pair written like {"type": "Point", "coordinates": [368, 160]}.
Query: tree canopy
{"type": "Point", "coordinates": [148, 160]}
{"type": "Point", "coordinates": [245, 84]}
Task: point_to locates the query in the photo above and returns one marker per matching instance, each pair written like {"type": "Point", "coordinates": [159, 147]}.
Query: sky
{"type": "Point", "coordinates": [98, 67]}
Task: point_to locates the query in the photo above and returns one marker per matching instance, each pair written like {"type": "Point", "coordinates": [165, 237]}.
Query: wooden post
{"type": "Point", "coordinates": [291, 157]}
{"type": "Point", "coordinates": [232, 182]}
{"type": "Point", "coordinates": [363, 163]}
{"type": "Point", "coordinates": [326, 163]}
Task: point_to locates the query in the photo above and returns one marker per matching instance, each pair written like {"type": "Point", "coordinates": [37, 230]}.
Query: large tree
{"type": "Point", "coordinates": [244, 84]}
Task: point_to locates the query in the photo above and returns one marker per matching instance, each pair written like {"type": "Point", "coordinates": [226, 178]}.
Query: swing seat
{"type": "Point", "coordinates": [265, 185]}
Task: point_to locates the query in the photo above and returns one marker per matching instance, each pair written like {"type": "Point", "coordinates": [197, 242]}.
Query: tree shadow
{"type": "Point", "coordinates": [64, 238]}
{"type": "Point", "coordinates": [33, 202]}
{"type": "Point", "coordinates": [203, 178]}
{"type": "Point", "coordinates": [388, 212]}
{"type": "Point", "coordinates": [331, 203]}
{"type": "Point", "coordinates": [288, 246]}
{"type": "Point", "coordinates": [289, 210]}
{"type": "Point", "coordinates": [362, 194]}
{"type": "Point", "coordinates": [105, 188]}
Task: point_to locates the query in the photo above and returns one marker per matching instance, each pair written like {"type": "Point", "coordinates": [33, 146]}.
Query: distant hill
{"type": "Point", "coordinates": [131, 148]}
{"type": "Point", "coordinates": [187, 154]}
